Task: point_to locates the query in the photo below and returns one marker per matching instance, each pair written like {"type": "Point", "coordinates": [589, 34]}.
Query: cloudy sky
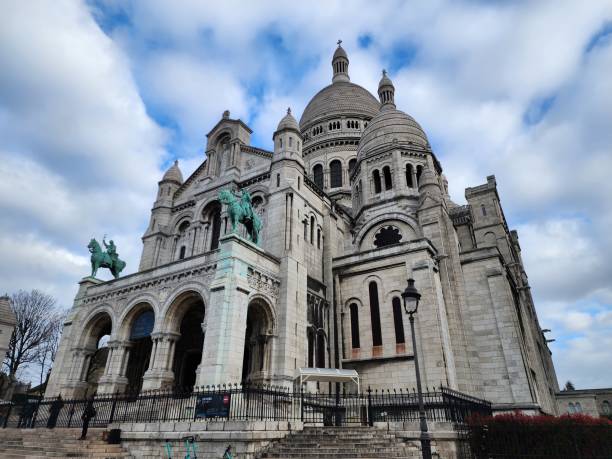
{"type": "Point", "coordinates": [98, 98]}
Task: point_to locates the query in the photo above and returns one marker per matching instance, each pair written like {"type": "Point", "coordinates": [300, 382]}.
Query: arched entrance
{"type": "Point", "coordinates": [98, 334]}
{"type": "Point", "coordinates": [255, 362]}
{"type": "Point", "coordinates": [140, 347]}
{"type": "Point", "coordinates": [188, 350]}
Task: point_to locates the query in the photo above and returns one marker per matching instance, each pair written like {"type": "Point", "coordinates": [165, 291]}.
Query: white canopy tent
{"type": "Point", "coordinates": [335, 375]}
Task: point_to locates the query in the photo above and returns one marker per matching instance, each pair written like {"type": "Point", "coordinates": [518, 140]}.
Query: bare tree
{"type": "Point", "coordinates": [38, 325]}
{"type": "Point", "coordinates": [46, 356]}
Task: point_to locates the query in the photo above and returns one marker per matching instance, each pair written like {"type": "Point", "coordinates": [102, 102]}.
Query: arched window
{"type": "Point", "coordinates": [571, 408]}
{"type": "Point", "coordinates": [483, 209]}
{"type": "Point", "coordinates": [387, 235]}
{"type": "Point", "coordinates": [182, 252]}
{"type": "Point", "coordinates": [312, 227]}
{"type": "Point", "coordinates": [605, 407]}
{"type": "Point", "coordinates": [317, 175]}
{"type": "Point", "coordinates": [578, 407]}
{"type": "Point", "coordinates": [398, 321]}
{"type": "Point", "coordinates": [375, 315]}
{"type": "Point", "coordinates": [318, 238]}
{"type": "Point", "coordinates": [335, 173]}
{"type": "Point", "coordinates": [354, 309]}
{"type": "Point", "coordinates": [212, 215]}
{"type": "Point", "coordinates": [387, 175]}
{"type": "Point", "coordinates": [320, 350]}
{"type": "Point", "coordinates": [409, 172]}
{"type": "Point", "coordinates": [376, 177]}
{"type": "Point", "coordinates": [311, 346]}
{"type": "Point", "coordinates": [290, 141]}
{"type": "Point", "coordinates": [419, 171]}
{"type": "Point", "coordinates": [277, 180]}
{"type": "Point", "coordinates": [352, 163]}
{"type": "Point", "coordinates": [280, 142]}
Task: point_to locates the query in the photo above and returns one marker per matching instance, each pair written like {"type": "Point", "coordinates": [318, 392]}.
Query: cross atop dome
{"type": "Point", "coordinates": [340, 64]}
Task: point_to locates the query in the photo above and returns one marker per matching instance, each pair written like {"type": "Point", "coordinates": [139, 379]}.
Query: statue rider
{"type": "Point", "coordinates": [246, 205]}
{"type": "Point", "coordinates": [111, 249]}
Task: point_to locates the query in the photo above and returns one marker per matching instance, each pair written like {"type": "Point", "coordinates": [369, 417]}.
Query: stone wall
{"type": "Point", "coordinates": [147, 440]}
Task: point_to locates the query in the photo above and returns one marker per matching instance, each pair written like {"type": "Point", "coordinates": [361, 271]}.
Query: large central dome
{"type": "Point", "coordinates": [340, 98]}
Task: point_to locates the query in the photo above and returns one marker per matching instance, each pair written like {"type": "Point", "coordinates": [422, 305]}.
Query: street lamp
{"type": "Point", "coordinates": [411, 297]}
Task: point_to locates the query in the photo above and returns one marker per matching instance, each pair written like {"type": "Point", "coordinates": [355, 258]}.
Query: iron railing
{"type": "Point", "coordinates": [249, 403]}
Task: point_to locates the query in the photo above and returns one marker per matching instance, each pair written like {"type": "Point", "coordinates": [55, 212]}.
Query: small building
{"type": "Point", "coordinates": [7, 323]}
{"type": "Point", "coordinates": [593, 402]}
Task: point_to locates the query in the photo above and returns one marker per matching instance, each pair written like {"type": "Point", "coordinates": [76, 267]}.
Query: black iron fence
{"type": "Point", "coordinates": [249, 403]}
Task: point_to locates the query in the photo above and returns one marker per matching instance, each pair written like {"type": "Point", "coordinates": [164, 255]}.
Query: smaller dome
{"type": "Point", "coordinates": [173, 174]}
{"type": "Point", "coordinates": [288, 122]}
{"type": "Point", "coordinates": [388, 128]}
{"type": "Point", "coordinates": [339, 53]}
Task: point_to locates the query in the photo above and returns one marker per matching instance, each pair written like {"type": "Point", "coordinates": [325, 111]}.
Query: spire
{"type": "Point", "coordinates": [386, 92]}
{"type": "Point", "coordinates": [174, 174]}
{"type": "Point", "coordinates": [340, 64]}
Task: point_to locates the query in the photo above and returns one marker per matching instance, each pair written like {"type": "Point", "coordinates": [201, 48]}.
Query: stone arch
{"type": "Point", "coordinates": [183, 320]}
{"type": "Point", "coordinates": [318, 174]}
{"type": "Point", "coordinates": [89, 323]}
{"type": "Point", "coordinates": [98, 325]}
{"type": "Point", "coordinates": [260, 323]}
{"type": "Point", "coordinates": [177, 304]}
{"type": "Point", "coordinates": [133, 307]}
{"type": "Point", "coordinates": [178, 220]}
{"type": "Point", "coordinates": [490, 239]}
{"type": "Point", "coordinates": [212, 218]}
{"type": "Point", "coordinates": [136, 330]}
{"type": "Point", "coordinates": [409, 228]}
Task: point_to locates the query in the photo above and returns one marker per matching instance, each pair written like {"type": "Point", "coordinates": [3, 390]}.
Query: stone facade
{"type": "Point", "coordinates": [353, 202]}
{"type": "Point", "coordinates": [593, 402]}
{"type": "Point", "coordinates": [7, 323]}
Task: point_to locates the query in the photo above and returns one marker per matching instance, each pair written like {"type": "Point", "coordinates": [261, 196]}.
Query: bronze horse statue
{"type": "Point", "coordinates": [102, 259]}
{"type": "Point", "coordinates": [240, 210]}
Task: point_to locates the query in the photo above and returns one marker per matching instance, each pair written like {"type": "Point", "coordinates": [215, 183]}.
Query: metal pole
{"type": "Point", "coordinates": [425, 441]}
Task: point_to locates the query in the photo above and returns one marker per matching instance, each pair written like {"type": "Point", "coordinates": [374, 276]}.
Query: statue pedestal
{"type": "Point", "coordinates": [85, 283]}
{"type": "Point", "coordinates": [229, 292]}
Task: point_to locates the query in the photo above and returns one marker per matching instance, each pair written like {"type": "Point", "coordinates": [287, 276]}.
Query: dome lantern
{"type": "Point", "coordinates": [386, 92]}
{"type": "Point", "coordinates": [340, 64]}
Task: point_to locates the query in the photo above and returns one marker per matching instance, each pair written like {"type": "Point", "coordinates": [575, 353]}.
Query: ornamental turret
{"type": "Point", "coordinates": [288, 140]}
{"type": "Point", "coordinates": [386, 92]}
{"type": "Point", "coordinates": [170, 182]}
{"type": "Point", "coordinates": [340, 64]}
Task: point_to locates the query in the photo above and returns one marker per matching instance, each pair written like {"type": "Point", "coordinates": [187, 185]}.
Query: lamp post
{"type": "Point", "coordinates": [411, 297]}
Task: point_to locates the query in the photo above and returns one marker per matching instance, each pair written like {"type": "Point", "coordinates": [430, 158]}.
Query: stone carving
{"type": "Point", "coordinates": [263, 283]}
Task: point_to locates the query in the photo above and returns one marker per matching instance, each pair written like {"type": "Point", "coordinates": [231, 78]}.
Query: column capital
{"type": "Point", "coordinates": [170, 336]}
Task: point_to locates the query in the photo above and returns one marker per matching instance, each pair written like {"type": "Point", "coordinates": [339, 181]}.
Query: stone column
{"type": "Point", "coordinates": [114, 379]}
{"type": "Point", "coordinates": [160, 374]}
{"type": "Point", "coordinates": [76, 385]}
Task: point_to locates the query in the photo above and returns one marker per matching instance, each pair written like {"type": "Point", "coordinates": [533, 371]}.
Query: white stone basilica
{"type": "Point", "coordinates": [353, 202]}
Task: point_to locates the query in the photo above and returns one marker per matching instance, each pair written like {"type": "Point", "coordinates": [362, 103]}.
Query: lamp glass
{"type": "Point", "coordinates": [411, 297]}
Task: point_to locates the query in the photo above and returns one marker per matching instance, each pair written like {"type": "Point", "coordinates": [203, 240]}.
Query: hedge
{"type": "Point", "coordinates": [543, 437]}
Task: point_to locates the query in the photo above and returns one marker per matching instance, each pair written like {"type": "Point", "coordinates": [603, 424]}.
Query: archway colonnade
{"type": "Point", "coordinates": [146, 348]}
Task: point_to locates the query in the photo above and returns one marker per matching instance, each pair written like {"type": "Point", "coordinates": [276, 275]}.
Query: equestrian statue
{"type": "Point", "coordinates": [101, 259]}
{"type": "Point", "coordinates": [240, 210]}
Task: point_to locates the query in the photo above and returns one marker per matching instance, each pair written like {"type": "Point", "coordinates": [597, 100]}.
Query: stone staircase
{"type": "Point", "coordinates": [341, 442]}
{"type": "Point", "coordinates": [43, 443]}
